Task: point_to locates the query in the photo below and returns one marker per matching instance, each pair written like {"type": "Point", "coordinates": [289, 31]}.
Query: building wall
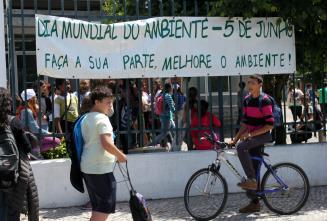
{"type": "Point", "coordinates": [164, 175]}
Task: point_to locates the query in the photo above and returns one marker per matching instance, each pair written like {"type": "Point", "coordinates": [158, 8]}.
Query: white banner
{"type": "Point", "coordinates": [163, 47]}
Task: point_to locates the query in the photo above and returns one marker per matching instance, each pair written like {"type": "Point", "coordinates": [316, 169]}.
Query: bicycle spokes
{"type": "Point", "coordinates": [205, 194]}
{"type": "Point", "coordinates": [285, 188]}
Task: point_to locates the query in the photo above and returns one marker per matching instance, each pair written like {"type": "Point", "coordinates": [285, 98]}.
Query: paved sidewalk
{"type": "Point", "coordinates": [173, 209]}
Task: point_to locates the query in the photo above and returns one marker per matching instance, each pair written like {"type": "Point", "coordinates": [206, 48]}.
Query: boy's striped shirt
{"type": "Point", "coordinates": [254, 117]}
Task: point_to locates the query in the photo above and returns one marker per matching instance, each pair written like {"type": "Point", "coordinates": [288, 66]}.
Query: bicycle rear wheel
{"type": "Point", "coordinates": [283, 200]}
{"type": "Point", "coordinates": [205, 194]}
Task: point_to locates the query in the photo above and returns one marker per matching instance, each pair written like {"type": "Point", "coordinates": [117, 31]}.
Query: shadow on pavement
{"type": "Point", "coordinates": [174, 209]}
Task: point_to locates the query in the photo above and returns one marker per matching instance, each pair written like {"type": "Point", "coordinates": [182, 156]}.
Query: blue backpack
{"type": "Point", "coordinates": [277, 111]}
{"type": "Point", "coordinates": [75, 149]}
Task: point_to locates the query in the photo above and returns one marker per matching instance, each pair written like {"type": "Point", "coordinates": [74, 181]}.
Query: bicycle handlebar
{"type": "Point", "coordinates": [210, 138]}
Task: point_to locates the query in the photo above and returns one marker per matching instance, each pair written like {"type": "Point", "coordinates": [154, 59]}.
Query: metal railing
{"type": "Point", "coordinates": [220, 92]}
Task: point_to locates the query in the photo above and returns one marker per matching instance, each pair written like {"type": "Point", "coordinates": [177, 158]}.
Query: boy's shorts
{"type": "Point", "coordinates": [102, 191]}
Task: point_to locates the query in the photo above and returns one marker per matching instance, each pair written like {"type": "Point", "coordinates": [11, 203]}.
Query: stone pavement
{"type": "Point", "coordinates": [173, 209]}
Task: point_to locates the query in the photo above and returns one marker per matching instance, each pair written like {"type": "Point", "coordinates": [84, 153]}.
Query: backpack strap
{"type": "Point", "coordinates": [261, 96]}
{"type": "Point", "coordinates": [129, 178]}
{"type": "Point", "coordinates": [78, 138]}
{"type": "Point", "coordinates": [70, 103]}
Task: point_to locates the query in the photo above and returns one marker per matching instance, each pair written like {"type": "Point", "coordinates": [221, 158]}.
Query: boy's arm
{"type": "Point", "coordinates": [110, 147]}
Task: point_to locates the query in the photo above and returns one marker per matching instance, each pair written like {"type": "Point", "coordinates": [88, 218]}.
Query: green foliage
{"type": "Point", "coordinates": [131, 9]}
{"type": "Point", "coordinates": [309, 18]}
{"type": "Point", "coordinates": [58, 152]}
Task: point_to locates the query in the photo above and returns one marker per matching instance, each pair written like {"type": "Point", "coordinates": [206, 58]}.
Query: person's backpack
{"type": "Point", "coordinates": [139, 208]}
{"type": "Point", "coordinates": [159, 104]}
{"type": "Point", "coordinates": [75, 150]}
{"type": "Point", "coordinates": [9, 159]}
{"type": "Point", "coordinates": [277, 111]}
{"type": "Point", "coordinates": [304, 133]}
{"type": "Point", "coordinates": [137, 202]}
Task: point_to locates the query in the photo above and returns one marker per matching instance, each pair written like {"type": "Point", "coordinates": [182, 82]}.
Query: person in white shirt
{"type": "Point", "coordinates": [294, 102]}
{"type": "Point", "coordinates": [100, 154]}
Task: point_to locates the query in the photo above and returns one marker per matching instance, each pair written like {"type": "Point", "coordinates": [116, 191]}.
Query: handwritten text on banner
{"type": "Point", "coordinates": [165, 47]}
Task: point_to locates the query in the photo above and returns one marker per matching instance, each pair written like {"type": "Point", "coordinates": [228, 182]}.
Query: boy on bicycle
{"type": "Point", "coordinates": [254, 133]}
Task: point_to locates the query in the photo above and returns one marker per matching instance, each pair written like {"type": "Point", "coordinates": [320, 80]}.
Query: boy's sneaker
{"type": "Point", "coordinates": [249, 184]}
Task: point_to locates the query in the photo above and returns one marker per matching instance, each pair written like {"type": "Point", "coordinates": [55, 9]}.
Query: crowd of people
{"type": "Point", "coordinates": [154, 113]}
{"type": "Point", "coordinates": [106, 107]}
{"type": "Point", "coordinates": [308, 111]}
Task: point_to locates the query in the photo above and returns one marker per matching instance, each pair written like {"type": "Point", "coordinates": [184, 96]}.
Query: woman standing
{"type": "Point", "coordinates": [28, 118]}
{"type": "Point", "coordinates": [100, 154]}
{"type": "Point", "coordinates": [23, 197]}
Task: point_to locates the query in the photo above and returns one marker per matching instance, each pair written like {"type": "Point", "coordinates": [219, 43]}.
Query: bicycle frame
{"type": "Point", "coordinates": [210, 184]}
{"type": "Point", "coordinates": [222, 159]}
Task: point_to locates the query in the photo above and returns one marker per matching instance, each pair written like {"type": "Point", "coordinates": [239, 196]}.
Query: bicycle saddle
{"type": "Point", "coordinates": [268, 144]}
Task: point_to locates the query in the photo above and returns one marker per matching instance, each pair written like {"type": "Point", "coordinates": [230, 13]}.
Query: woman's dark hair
{"type": "Point", "coordinates": [204, 105]}
{"type": "Point", "coordinates": [19, 101]}
{"type": "Point", "coordinates": [192, 94]}
{"type": "Point", "coordinates": [86, 105]}
{"type": "Point", "coordinates": [100, 93]}
{"type": "Point", "coordinates": [5, 104]}
{"type": "Point", "coordinates": [41, 83]}
{"type": "Point", "coordinates": [167, 87]}
{"type": "Point", "coordinates": [59, 82]}
{"type": "Point", "coordinates": [179, 90]}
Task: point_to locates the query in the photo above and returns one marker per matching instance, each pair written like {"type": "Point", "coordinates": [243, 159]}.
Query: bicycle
{"type": "Point", "coordinates": [282, 185]}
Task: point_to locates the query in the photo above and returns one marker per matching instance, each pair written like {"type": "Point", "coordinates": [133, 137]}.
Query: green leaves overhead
{"type": "Point", "coordinates": [309, 18]}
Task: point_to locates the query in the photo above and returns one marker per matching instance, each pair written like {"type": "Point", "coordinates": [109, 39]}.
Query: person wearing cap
{"type": "Point", "coordinates": [28, 116]}
{"type": "Point", "coordinates": [29, 113]}
{"type": "Point", "coordinates": [257, 122]}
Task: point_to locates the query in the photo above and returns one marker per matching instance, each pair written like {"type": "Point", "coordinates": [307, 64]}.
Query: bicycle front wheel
{"type": "Point", "coordinates": [288, 188]}
{"type": "Point", "coordinates": [205, 194]}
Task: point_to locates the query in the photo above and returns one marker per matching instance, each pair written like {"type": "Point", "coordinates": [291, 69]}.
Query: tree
{"type": "Point", "coordinates": [309, 18]}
